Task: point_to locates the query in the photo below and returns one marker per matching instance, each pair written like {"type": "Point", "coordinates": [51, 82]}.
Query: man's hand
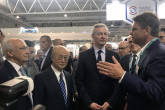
{"type": "Point", "coordinates": [112, 70]}
{"type": "Point", "coordinates": [95, 106]}
{"type": "Point", "coordinates": [105, 106]}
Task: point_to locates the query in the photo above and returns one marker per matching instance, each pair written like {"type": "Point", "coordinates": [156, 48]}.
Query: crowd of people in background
{"type": "Point", "coordinates": [99, 78]}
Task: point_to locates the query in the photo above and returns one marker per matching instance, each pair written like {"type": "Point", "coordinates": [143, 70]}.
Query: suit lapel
{"type": "Point", "coordinates": [146, 53]}
{"type": "Point", "coordinates": [11, 69]}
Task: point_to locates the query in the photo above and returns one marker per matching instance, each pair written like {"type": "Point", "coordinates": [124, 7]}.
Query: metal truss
{"type": "Point", "coordinates": [18, 7]}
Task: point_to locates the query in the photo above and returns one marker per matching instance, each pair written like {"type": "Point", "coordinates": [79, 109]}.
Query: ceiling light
{"type": "Point", "coordinates": [17, 17]}
{"type": "Point", "coordinates": [65, 15]}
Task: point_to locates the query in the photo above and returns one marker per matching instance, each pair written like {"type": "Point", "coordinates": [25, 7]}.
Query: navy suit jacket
{"type": "Point", "coordinates": [146, 91]}
{"type": "Point", "coordinates": [48, 60]}
{"type": "Point", "coordinates": [91, 87]}
{"type": "Point", "coordinates": [47, 91]}
{"type": "Point", "coordinates": [125, 62]}
{"type": "Point", "coordinates": [7, 72]}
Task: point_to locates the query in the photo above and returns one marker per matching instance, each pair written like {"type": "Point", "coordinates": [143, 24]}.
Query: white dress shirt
{"type": "Point", "coordinates": [57, 73]}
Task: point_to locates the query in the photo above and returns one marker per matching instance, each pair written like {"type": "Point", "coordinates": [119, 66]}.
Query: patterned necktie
{"type": "Point", "coordinates": [133, 67]}
{"type": "Point", "coordinates": [22, 71]}
{"type": "Point", "coordinates": [62, 85]}
{"type": "Point", "coordinates": [99, 55]}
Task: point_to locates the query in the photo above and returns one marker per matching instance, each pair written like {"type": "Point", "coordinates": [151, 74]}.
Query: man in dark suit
{"type": "Point", "coordinates": [46, 47]}
{"type": "Point", "coordinates": [146, 89]}
{"type": "Point", "coordinates": [53, 87]}
{"type": "Point", "coordinates": [127, 60]}
{"type": "Point", "coordinates": [16, 53]}
{"type": "Point", "coordinates": [94, 89]}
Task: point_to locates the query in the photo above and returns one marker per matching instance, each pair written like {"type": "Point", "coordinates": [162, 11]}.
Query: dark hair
{"type": "Point", "coordinates": [47, 37]}
{"type": "Point", "coordinates": [148, 19]}
{"type": "Point", "coordinates": [162, 29]}
{"type": "Point", "coordinates": [30, 43]}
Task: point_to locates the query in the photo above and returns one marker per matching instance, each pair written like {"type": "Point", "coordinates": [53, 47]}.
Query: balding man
{"type": "Point", "coordinates": [53, 87]}
{"type": "Point", "coordinates": [109, 46]}
{"type": "Point", "coordinates": [123, 48]}
{"type": "Point", "coordinates": [58, 42]}
{"type": "Point", "coordinates": [16, 53]}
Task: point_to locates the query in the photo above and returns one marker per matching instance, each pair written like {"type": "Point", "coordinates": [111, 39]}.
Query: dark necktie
{"type": "Point", "coordinates": [99, 55]}
{"type": "Point", "coordinates": [62, 85]}
{"type": "Point", "coordinates": [133, 67]}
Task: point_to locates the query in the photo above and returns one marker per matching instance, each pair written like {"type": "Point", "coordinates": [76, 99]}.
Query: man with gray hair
{"type": "Point", "coordinates": [16, 53]}
{"type": "Point", "coordinates": [95, 90]}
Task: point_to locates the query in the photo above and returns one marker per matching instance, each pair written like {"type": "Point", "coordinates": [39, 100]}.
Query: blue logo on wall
{"type": "Point", "coordinates": [29, 30]}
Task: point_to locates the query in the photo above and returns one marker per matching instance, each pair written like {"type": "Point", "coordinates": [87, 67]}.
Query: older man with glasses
{"type": "Point", "coordinates": [124, 48]}
{"type": "Point", "coordinates": [53, 87]}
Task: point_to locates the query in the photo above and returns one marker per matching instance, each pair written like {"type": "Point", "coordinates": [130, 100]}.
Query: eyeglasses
{"type": "Point", "coordinates": [161, 37]}
{"type": "Point", "coordinates": [24, 48]}
{"type": "Point", "coordinates": [130, 42]}
{"type": "Point", "coordinates": [60, 57]}
{"type": "Point", "coordinates": [122, 48]}
{"type": "Point", "coordinates": [100, 34]}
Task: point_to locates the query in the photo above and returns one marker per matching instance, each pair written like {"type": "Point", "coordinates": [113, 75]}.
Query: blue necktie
{"type": "Point", "coordinates": [62, 85]}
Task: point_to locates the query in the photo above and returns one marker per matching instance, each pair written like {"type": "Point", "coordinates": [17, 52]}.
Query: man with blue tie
{"type": "Point", "coordinates": [53, 87]}
{"type": "Point", "coordinates": [16, 53]}
{"type": "Point", "coordinates": [146, 89]}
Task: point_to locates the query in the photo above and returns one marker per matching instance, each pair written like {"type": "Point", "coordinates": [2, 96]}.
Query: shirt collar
{"type": "Point", "coordinates": [46, 53]}
{"type": "Point", "coordinates": [16, 66]}
{"type": "Point", "coordinates": [57, 73]}
{"type": "Point", "coordinates": [97, 49]}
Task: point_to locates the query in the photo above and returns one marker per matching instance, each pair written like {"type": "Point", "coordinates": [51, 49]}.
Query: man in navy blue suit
{"type": "Point", "coordinates": [48, 89]}
{"type": "Point", "coordinates": [146, 89]}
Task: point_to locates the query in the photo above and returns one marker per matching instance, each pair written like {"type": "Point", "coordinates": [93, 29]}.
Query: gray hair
{"type": "Point", "coordinates": [97, 26]}
{"type": "Point", "coordinates": [59, 46]}
{"type": "Point", "coordinates": [7, 46]}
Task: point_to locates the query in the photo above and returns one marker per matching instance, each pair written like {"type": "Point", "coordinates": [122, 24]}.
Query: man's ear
{"type": "Point", "coordinates": [148, 29]}
{"type": "Point", "coordinates": [10, 53]}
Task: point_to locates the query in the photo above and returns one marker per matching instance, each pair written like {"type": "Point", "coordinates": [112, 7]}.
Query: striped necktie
{"type": "Point", "coordinates": [62, 85]}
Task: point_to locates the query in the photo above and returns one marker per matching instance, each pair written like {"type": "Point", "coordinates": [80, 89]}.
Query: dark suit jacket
{"type": "Point", "coordinates": [146, 91]}
{"type": "Point", "coordinates": [124, 61]}
{"type": "Point", "coordinates": [48, 60]}
{"type": "Point", "coordinates": [7, 72]}
{"type": "Point", "coordinates": [47, 91]}
{"type": "Point", "coordinates": [91, 85]}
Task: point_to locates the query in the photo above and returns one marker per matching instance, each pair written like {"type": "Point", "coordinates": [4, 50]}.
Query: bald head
{"type": "Point", "coordinates": [58, 42]}
{"type": "Point", "coordinates": [109, 46]}
{"type": "Point", "coordinates": [123, 48]}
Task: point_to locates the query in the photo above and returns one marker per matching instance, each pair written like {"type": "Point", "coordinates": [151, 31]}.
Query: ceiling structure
{"type": "Point", "coordinates": [59, 13]}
